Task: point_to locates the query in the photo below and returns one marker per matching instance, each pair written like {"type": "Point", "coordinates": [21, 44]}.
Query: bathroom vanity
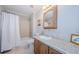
{"type": "Point", "coordinates": [47, 45]}
{"type": "Point", "coordinates": [41, 48]}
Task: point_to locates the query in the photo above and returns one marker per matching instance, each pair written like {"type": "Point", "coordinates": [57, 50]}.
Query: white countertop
{"type": "Point", "coordinates": [60, 45]}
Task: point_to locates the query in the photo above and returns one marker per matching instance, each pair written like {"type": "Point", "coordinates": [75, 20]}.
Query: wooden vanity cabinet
{"type": "Point", "coordinates": [41, 48]}
{"type": "Point", "coordinates": [36, 46]}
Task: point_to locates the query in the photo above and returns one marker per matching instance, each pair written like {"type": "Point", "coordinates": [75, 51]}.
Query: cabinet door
{"type": "Point", "coordinates": [53, 51]}
{"type": "Point", "coordinates": [43, 49]}
{"type": "Point", "coordinates": [36, 46]}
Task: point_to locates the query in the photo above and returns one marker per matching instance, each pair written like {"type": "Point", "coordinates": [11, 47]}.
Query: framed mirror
{"type": "Point", "coordinates": [75, 39]}
{"type": "Point", "coordinates": [50, 17]}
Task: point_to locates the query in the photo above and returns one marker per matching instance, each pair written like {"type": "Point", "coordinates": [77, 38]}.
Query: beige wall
{"type": "Point", "coordinates": [24, 26]}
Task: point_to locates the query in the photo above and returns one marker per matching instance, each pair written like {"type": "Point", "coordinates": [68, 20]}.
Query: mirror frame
{"type": "Point", "coordinates": [54, 18]}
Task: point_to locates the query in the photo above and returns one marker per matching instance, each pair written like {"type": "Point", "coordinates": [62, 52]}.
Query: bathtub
{"type": "Point", "coordinates": [26, 42]}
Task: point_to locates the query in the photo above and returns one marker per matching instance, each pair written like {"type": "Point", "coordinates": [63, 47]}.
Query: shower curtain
{"type": "Point", "coordinates": [10, 31]}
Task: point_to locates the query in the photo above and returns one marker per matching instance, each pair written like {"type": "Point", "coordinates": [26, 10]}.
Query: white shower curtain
{"type": "Point", "coordinates": [10, 31]}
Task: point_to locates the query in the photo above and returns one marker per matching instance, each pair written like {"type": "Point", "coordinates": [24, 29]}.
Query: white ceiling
{"type": "Point", "coordinates": [22, 9]}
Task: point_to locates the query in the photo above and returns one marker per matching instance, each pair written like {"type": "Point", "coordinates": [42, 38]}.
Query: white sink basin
{"type": "Point", "coordinates": [45, 37]}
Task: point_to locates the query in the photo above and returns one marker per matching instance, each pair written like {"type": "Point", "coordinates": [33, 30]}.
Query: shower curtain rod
{"type": "Point", "coordinates": [11, 12]}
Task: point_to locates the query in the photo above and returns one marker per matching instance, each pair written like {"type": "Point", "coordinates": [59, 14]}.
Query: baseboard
{"type": "Point", "coordinates": [5, 51]}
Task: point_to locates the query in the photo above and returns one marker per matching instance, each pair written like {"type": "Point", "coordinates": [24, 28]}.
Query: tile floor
{"type": "Point", "coordinates": [23, 49]}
